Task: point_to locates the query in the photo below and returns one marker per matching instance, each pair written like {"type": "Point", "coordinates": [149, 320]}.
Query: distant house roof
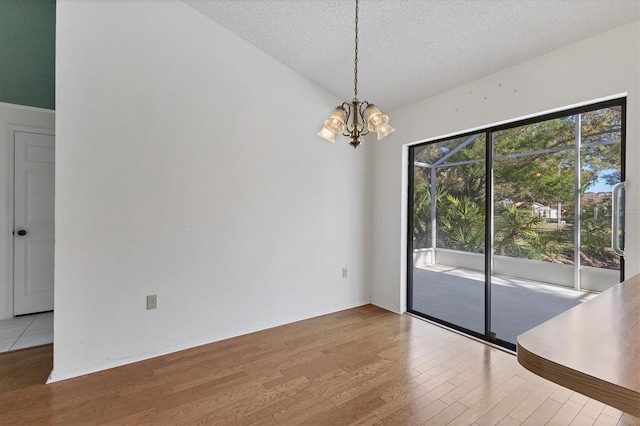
{"type": "Point", "coordinates": [596, 197]}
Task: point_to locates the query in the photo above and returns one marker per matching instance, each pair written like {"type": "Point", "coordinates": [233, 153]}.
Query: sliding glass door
{"type": "Point", "coordinates": [449, 197]}
{"type": "Point", "coordinates": [538, 244]}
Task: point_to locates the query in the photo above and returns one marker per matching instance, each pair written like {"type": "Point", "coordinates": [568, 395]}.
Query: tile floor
{"type": "Point", "coordinates": [26, 331]}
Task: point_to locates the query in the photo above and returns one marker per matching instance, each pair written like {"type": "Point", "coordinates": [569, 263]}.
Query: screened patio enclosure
{"type": "Point", "coordinates": [512, 225]}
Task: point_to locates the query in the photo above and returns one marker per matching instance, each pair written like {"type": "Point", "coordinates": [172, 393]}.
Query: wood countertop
{"type": "Point", "coordinates": [593, 349]}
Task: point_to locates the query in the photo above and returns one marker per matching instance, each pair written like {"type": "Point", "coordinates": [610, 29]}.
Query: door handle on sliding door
{"type": "Point", "coordinates": [617, 210]}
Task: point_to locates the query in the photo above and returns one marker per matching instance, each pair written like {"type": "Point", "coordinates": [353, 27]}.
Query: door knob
{"type": "Point", "coordinates": [22, 232]}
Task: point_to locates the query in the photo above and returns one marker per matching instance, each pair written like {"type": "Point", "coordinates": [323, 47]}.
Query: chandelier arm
{"type": "Point", "coordinates": [362, 107]}
{"type": "Point", "coordinates": [347, 108]}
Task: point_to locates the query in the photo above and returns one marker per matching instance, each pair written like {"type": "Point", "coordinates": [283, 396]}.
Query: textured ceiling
{"type": "Point", "coordinates": [412, 49]}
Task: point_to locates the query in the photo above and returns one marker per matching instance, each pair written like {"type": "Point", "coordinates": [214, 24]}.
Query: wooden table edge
{"type": "Point", "coordinates": [609, 393]}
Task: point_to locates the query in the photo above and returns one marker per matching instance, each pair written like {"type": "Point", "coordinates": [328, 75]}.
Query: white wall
{"type": "Point", "coordinates": [188, 166]}
{"type": "Point", "coordinates": [602, 66]}
{"type": "Point", "coordinates": [11, 118]}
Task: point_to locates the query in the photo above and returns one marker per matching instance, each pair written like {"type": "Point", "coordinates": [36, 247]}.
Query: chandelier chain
{"type": "Point", "coordinates": [355, 61]}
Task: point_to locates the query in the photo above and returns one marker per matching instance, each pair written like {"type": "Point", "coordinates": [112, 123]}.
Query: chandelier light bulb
{"type": "Point", "coordinates": [384, 130]}
{"type": "Point", "coordinates": [377, 121]}
{"type": "Point", "coordinates": [334, 124]}
{"type": "Point", "coordinates": [327, 134]}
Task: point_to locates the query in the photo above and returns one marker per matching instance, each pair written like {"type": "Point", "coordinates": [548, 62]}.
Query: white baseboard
{"type": "Point", "coordinates": [106, 364]}
{"type": "Point", "coordinates": [395, 311]}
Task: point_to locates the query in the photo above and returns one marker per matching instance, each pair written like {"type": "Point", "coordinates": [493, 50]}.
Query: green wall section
{"type": "Point", "coordinates": [27, 52]}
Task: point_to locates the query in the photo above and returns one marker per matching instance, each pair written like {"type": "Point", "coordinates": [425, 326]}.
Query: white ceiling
{"type": "Point", "coordinates": [412, 49]}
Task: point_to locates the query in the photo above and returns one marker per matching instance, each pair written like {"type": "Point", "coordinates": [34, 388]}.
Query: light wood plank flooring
{"type": "Point", "coordinates": [363, 366]}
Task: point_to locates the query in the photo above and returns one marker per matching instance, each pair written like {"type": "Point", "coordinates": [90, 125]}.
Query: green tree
{"type": "Point", "coordinates": [595, 236]}
{"type": "Point", "coordinates": [461, 225]}
{"type": "Point", "coordinates": [516, 233]}
{"type": "Point", "coordinates": [532, 163]}
{"type": "Point", "coordinates": [422, 207]}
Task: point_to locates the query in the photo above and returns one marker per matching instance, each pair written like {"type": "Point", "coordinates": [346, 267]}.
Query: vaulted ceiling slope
{"type": "Point", "coordinates": [412, 49]}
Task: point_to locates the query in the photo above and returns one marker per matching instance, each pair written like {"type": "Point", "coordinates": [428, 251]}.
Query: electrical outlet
{"type": "Point", "coordinates": [344, 272]}
{"type": "Point", "coordinates": [152, 302]}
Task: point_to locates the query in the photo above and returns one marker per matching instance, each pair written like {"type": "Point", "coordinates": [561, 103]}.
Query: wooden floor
{"type": "Point", "coordinates": [362, 366]}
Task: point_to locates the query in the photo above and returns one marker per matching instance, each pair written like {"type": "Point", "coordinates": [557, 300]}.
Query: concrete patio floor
{"type": "Point", "coordinates": [456, 295]}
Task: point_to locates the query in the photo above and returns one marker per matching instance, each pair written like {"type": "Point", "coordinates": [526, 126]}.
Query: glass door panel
{"type": "Point", "coordinates": [600, 171]}
{"type": "Point", "coordinates": [533, 226]}
{"type": "Point", "coordinates": [448, 215]}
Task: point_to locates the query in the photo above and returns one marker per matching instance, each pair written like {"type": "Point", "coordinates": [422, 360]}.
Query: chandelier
{"type": "Point", "coordinates": [355, 119]}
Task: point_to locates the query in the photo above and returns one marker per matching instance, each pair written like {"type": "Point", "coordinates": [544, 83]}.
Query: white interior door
{"type": "Point", "coordinates": [33, 238]}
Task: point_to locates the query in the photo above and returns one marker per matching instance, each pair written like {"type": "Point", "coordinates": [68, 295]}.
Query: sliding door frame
{"type": "Point", "coordinates": [488, 335]}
